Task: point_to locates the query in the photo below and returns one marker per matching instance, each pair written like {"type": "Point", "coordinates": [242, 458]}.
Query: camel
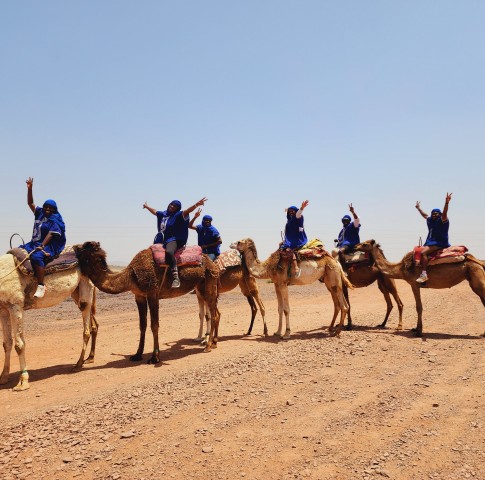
{"type": "Point", "coordinates": [150, 283]}
{"type": "Point", "coordinates": [325, 269]}
{"type": "Point", "coordinates": [228, 280]}
{"type": "Point", "coordinates": [441, 275]}
{"type": "Point", "coordinates": [17, 295]}
{"type": "Point", "coordinates": [362, 275]}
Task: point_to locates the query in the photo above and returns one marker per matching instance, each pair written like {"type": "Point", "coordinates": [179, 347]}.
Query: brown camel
{"type": "Point", "coordinates": [150, 283]}
{"type": "Point", "coordinates": [324, 268]}
{"type": "Point", "coordinates": [228, 280]}
{"type": "Point", "coordinates": [364, 274]}
{"type": "Point", "coordinates": [441, 275]}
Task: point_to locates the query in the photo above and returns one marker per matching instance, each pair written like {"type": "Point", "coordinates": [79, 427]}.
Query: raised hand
{"type": "Point", "coordinates": [29, 182]}
{"type": "Point", "coordinates": [351, 208]}
{"type": "Point", "coordinates": [201, 202]}
{"type": "Point", "coordinates": [304, 204]}
{"type": "Point", "coordinates": [448, 197]}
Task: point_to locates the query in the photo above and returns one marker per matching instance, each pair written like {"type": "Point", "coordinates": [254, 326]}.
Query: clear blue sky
{"type": "Point", "coordinates": [256, 105]}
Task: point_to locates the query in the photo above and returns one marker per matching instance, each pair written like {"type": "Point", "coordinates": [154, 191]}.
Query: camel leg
{"type": "Point", "coordinates": [418, 331]}
{"type": "Point", "coordinates": [477, 284]}
{"type": "Point", "coordinates": [286, 310]}
{"type": "Point", "coordinates": [141, 303]}
{"type": "Point", "coordinates": [7, 345]}
{"type": "Point", "coordinates": [153, 304]}
{"type": "Point", "coordinates": [254, 311]}
{"type": "Point", "coordinates": [349, 320]}
{"type": "Point", "coordinates": [336, 310]}
{"type": "Point", "coordinates": [255, 295]}
{"type": "Point", "coordinates": [202, 315]}
{"type": "Point", "coordinates": [391, 287]}
{"type": "Point", "coordinates": [83, 296]}
{"type": "Point", "coordinates": [280, 311]}
{"type": "Point", "coordinates": [17, 319]}
{"type": "Point", "coordinates": [214, 329]}
{"type": "Point", "coordinates": [387, 298]}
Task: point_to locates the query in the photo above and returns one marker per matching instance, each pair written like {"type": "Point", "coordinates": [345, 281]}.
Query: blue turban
{"type": "Point", "coordinates": [346, 217]}
{"type": "Point", "coordinates": [176, 203]}
{"type": "Point", "coordinates": [437, 210]}
{"type": "Point", "coordinates": [206, 217]}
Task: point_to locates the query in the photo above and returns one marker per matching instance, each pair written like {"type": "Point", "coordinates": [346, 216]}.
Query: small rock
{"type": "Point", "coordinates": [128, 434]}
{"type": "Point", "coordinates": [207, 449]}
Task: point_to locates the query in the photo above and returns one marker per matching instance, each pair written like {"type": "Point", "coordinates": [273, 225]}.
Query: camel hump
{"type": "Point", "coordinates": [66, 260]}
{"type": "Point", "coordinates": [185, 256]}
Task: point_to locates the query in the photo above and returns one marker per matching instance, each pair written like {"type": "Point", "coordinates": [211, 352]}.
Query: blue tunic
{"type": "Point", "coordinates": [172, 227]}
{"type": "Point", "coordinates": [207, 235]}
{"type": "Point", "coordinates": [295, 236]}
{"type": "Point", "coordinates": [437, 233]}
{"type": "Point", "coordinates": [349, 236]}
{"type": "Point", "coordinates": [44, 225]}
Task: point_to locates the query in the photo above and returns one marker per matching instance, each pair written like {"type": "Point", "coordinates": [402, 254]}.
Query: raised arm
{"type": "Point", "coordinates": [423, 214]}
{"type": "Point", "coordinates": [303, 206]}
{"type": "Point", "coordinates": [196, 215]}
{"type": "Point", "coordinates": [30, 195]}
{"type": "Point", "coordinates": [189, 210]}
{"type": "Point", "coordinates": [444, 215]}
{"type": "Point", "coordinates": [150, 209]}
{"type": "Point", "coordinates": [354, 214]}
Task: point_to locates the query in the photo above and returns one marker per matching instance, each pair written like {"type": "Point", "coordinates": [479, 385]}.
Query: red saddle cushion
{"type": "Point", "coordinates": [188, 255]}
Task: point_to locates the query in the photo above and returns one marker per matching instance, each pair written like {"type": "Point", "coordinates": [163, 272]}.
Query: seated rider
{"type": "Point", "coordinates": [173, 231]}
{"type": "Point", "coordinates": [208, 237]}
{"type": "Point", "coordinates": [437, 239]}
{"type": "Point", "coordinates": [48, 237]}
{"type": "Point", "coordinates": [348, 237]}
{"type": "Point", "coordinates": [295, 236]}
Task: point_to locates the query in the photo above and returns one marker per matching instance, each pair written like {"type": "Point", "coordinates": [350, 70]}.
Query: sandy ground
{"type": "Point", "coordinates": [371, 404]}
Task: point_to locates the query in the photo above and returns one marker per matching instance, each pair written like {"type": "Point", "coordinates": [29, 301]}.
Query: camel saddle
{"type": "Point", "coordinates": [186, 256]}
{"type": "Point", "coordinates": [312, 249]}
{"type": "Point", "coordinates": [355, 257]}
{"type": "Point", "coordinates": [453, 254]}
{"type": "Point", "coordinates": [65, 261]}
{"type": "Point", "coordinates": [229, 259]}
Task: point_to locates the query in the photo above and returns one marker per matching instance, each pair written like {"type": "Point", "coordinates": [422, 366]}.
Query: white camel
{"type": "Point", "coordinates": [17, 294]}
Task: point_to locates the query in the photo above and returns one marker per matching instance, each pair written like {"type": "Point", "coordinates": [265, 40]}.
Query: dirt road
{"type": "Point", "coordinates": [371, 404]}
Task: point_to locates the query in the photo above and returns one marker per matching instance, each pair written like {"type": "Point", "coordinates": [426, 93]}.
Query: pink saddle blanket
{"type": "Point", "coordinates": [188, 255]}
{"type": "Point", "coordinates": [453, 251]}
{"type": "Point", "coordinates": [228, 259]}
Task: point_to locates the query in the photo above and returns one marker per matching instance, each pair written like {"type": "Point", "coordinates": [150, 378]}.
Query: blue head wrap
{"type": "Point", "coordinates": [346, 217]}
{"type": "Point", "coordinates": [437, 210]}
{"type": "Point", "coordinates": [50, 203]}
{"type": "Point", "coordinates": [291, 208]}
{"type": "Point", "coordinates": [176, 203]}
{"type": "Point", "coordinates": [206, 217]}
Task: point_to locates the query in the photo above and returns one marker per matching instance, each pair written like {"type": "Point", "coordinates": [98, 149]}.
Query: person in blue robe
{"type": "Point", "coordinates": [173, 231]}
{"type": "Point", "coordinates": [208, 237]}
{"type": "Point", "coordinates": [348, 236]}
{"type": "Point", "coordinates": [437, 239]}
{"type": "Point", "coordinates": [295, 235]}
{"type": "Point", "coordinates": [48, 237]}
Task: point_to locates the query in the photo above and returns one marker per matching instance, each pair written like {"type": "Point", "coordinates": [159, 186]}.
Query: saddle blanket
{"type": "Point", "coordinates": [314, 248]}
{"type": "Point", "coordinates": [356, 257]}
{"type": "Point", "coordinates": [229, 259]}
{"type": "Point", "coordinates": [188, 255]}
{"type": "Point", "coordinates": [455, 253]}
{"type": "Point", "coordinates": [65, 261]}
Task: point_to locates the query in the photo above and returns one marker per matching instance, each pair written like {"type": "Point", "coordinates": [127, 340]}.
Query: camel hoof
{"type": "Point", "coordinates": [349, 327]}
{"type": "Point", "coordinates": [207, 349]}
{"type": "Point", "coordinates": [153, 360]}
{"type": "Point", "coordinates": [77, 368]}
{"type": "Point", "coordinates": [89, 360]}
{"type": "Point", "coordinates": [23, 384]}
{"type": "Point", "coordinates": [136, 358]}
{"type": "Point", "coordinates": [266, 332]}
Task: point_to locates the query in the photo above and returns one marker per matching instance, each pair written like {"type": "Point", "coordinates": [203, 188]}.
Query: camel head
{"type": "Point", "coordinates": [91, 256]}
{"type": "Point", "coordinates": [244, 245]}
{"type": "Point", "coordinates": [366, 246]}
